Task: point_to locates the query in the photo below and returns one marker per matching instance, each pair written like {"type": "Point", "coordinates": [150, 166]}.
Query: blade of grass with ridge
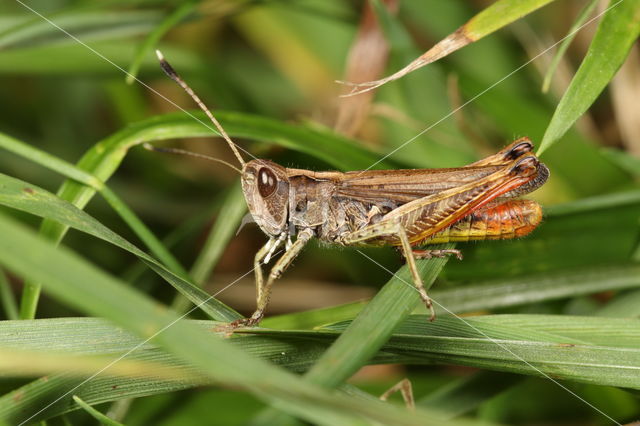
{"type": "Point", "coordinates": [31, 199]}
{"type": "Point", "coordinates": [571, 34]}
{"type": "Point", "coordinates": [101, 418]}
{"type": "Point", "coordinates": [231, 212]}
{"type": "Point", "coordinates": [604, 351]}
{"type": "Point", "coordinates": [8, 299]}
{"type": "Point", "coordinates": [94, 336]}
{"type": "Point", "coordinates": [617, 32]}
{"type": "Point", "coordinates": [625, 305]}
{"type": "Point", "coordinates": [89, 26]}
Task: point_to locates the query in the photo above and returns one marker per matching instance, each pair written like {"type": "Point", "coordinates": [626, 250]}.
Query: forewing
{"type": "Point", "coordinates": [403, 186]}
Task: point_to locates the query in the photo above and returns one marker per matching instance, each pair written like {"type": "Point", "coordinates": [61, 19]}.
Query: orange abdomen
{"type": "Point", "coordinates": [496, 221]}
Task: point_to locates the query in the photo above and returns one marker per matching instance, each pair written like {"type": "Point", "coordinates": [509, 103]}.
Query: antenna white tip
{"type": "Point", "coordinates": [159, 55]}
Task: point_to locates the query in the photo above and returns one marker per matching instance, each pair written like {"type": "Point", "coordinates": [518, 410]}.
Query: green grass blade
{"type": "Point", "coordinates": [77, 337]}
{"type": "Point", "coordinates": [393, 303]}
{"type": "Point", "coordinates": [75, 58]}
{"type": "Point", "coordinates": [8, 299]}
{"type": "Point", "coordinates": [314, 318]}
{"type": "Point", "coordinates": [500, 14]}
{"type": "Point", "coordinates": [626, 305]}
{"type": "Point", "coordinates": [466, 394]}
{"type": "Point", "coordinates": [614, 332]}
{"type": "Point", "coordinates": [24, 363]}
{"type": "Point", "coordinates": [560, 51]}
{"type": "Point", "coordinates": [88, 26]}
{"type": "Point", "coordinates": [49, 161]}
{"type": "Point", "coordinates": [603, 351]}
{"type": "Point", "coordinates": [141, 230]}
{"type": "Point", "coordinates": [617, 31]}
{"type": "Point", "coordinates": [624, 160]}
{"type": "Point", "coordinates": [32, 290]}
{"type": "Point", "coordinates": [494, 294]}
{"type": "Point", "coordinates": [209, 304]}
{"type": "Point", "coordinates": [20, 195]}
{"type": "Point", "coordinates": [65, 276]}
{"type": "Point", "coordinates": [101, 418]}
{"type": "Point", "coordinates": [233, 209]}
{"type": "Point", "coordinates": [154, 37]}
{"type": "Point", "coordinates": [535, 288]}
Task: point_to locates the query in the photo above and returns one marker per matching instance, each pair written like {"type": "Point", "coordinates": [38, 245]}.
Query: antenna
{"type": "Point", "coordinates": [173, 75]}
{"type": "Point", "coordinates": [178, 151]}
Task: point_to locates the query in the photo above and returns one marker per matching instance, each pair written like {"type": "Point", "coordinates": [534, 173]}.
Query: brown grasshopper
{"type": "Point", "coordinates": [402, 208]}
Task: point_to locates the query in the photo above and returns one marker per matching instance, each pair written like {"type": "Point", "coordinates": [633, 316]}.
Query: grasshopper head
{"type": "Point", "coordinates": [266, 189]}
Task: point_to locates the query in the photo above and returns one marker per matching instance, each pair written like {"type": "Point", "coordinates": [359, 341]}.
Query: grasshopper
{"type": "Point", "coordinates": [402, 208]}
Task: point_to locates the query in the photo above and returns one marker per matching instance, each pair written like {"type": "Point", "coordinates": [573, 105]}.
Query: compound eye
{"type": "Point", "coordinates": [267, 182]}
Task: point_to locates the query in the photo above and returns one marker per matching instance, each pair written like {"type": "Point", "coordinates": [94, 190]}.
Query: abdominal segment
{"type": "Point", "coordinates": [496, 221]}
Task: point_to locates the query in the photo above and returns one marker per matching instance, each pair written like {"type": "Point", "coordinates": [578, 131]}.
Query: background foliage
{"type": "Point", "coordinates": [549, 332]}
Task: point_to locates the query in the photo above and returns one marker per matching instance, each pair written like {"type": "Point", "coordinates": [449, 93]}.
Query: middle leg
{"type": "Point", "coordinates": [394, 228]}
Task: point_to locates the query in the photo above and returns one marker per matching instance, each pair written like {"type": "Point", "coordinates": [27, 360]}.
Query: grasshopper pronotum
{"type": "Point", "coordinates": [403, 208]}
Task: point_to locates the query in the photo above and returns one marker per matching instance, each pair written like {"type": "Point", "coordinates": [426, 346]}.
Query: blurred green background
{"type": "Point", "coordinates": [268, 70]}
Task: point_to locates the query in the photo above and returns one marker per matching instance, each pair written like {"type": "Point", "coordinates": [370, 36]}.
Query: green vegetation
{"type": "Point", "coordinates": [543, 329]}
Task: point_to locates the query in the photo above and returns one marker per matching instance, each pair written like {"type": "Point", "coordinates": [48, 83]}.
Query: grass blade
{"type": "Point", "coordinates": [8, 299]}
{"type": "Point", "coordinates": [20, 195]}
{"type": "Point", "coordinates": [76, 337]}
{"type": "Point", "coordinates": [65, 276]}
{"type": "Point", "coordinates": [141, 230]}
{"type": "Point", "coordinates": [562, 48]}
{"type": "Point", "coordinates": [154, 37]}
{"type": "Point", "coordinates": [88, 26]}
{"type": "Point", "coordinates": [585, 349]}
{"type": "Point", "coordinates": [466, 394]}
{"type": "Point", "coordinates": [233, 209]}
{"type": "Point", "coordinates": [49, 161]}
{"type": "Point", "coordinates": [603, 351]}
{"type": "Point", "coordinates": [624, 160]}
{"type": "Point", "coordinates": [104, 420]}
{"type": "Point", "coordinates": [22, 363]}
{"type": "Point", "coordinates": [626, 305]}
{"type": "Point", "coordinates": [535, 288]}
{"type": "Point", "coordinates": [617, 31]}
{"type": "Point", "coordinates": [394, 302]}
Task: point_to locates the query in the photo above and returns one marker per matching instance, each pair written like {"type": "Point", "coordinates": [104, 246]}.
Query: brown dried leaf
{"type": "Point", "coordinates": [625, 88]}
{"type": "Point", "coordinates": [366, 62]}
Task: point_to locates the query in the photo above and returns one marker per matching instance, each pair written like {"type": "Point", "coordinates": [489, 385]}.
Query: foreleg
{"type": "Point", "coordinates": [265, 251]}
{"type": "Point", "coordinates": [264, 288]}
